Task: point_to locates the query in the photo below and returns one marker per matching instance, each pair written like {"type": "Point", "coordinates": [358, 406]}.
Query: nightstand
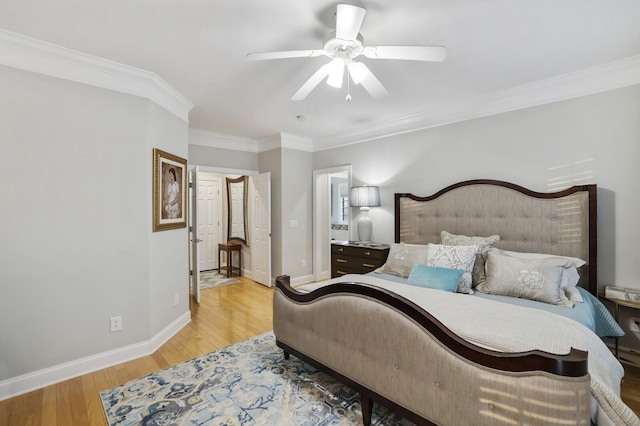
{"type": "Point", "coordinates": [356, 258]}
{"type": "Point", "coordinates": [616, 310]}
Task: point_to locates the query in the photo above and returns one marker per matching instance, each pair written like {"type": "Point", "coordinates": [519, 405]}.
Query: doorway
{"type": "Point", "coordinates": [331, 215]}
{"type": "Point", "coordinates": [208, 223]}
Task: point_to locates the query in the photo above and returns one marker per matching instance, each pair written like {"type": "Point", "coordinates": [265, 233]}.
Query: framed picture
{"type": "Point", "coordinates": [169, 191]}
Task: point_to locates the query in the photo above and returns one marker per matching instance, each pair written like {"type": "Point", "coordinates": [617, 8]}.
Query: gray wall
{"type": "Point", "coordinates": [77, 246]}
{"type": "Point", "coordinates": [271, 161]}
{"type": "Point", "coordinates": [291, 189]}
{"type": "Point", "coordinates": [296, 205]}
{"type": "Point", "coordinates": [593, 139]}
{"type": "Point", "coordinates": [168, 250]}
{"type": "Point", "coordinates": [77, 241]}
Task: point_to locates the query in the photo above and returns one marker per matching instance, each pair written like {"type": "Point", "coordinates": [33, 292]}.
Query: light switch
{"type": "Point", "coordinates": [293, 223]}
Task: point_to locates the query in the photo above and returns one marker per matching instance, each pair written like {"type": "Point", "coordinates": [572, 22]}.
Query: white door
{"type": "Point", "coordinates": [260, 220]}
{"type": "Point", "coordinates": [193, 235]}
{"type": "Point", "coordinates": [209, 220]}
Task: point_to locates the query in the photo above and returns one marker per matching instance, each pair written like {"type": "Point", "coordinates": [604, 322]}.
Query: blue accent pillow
{"type": "Point", "coordinates": [435, 277]}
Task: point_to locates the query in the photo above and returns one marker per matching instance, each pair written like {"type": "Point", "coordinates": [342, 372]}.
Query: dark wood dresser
{"type": "Point", "coordinates": [355, 258]}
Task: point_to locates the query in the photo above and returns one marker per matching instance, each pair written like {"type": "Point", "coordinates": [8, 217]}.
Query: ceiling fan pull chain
{"type": "Point", "coordinates": [348, 97]}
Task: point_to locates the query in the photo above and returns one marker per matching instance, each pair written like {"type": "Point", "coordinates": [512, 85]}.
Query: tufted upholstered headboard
{"type": "Point", "coordinates": [560, 223]}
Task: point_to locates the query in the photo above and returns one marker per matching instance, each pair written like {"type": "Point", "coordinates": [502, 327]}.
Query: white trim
{"type": "Point", "coordinates": [49, 376]}
{"type": "Point", "coordinates": [29, 54]}
{"type": "Point", "coordinates": [601, 78]}
{"type": "Point", "coordinates": [301, 280]}
{"type": "Point", "coordinates": [279, 140]}
{"type": "Point", "coordinates": [219, 140]}
{"type": "Point", "coordinates": [269, 143]}
{"type": "Point", "coordinates": [226, 171]}
{"type": "Point", "coordinates": [34, 55]}
{"type": "Point", "coordinates": [287, 140]}
{"type": "Point", "coordinates": [319, 243]}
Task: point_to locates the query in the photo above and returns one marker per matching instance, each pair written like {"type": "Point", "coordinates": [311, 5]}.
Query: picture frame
{"type": "Point", "coordinates": [169, 191]}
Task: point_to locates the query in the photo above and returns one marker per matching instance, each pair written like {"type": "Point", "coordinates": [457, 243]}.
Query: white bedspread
{"type": "Point", "coordinates": [507, 328]}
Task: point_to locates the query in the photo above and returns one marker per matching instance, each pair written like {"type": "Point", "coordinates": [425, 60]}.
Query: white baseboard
{"type": "Point", "coordinates": [302, 279]}
{"type": "Point", "coordinates": [49, 376]}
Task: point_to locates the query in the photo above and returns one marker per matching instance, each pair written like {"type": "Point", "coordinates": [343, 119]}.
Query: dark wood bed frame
{"type": "Point", "coordinates": [573, 364]}
{"type": "Point", "coordinates": [592, 261]}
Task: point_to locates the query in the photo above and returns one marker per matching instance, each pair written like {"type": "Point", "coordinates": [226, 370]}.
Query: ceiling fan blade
{"type": "Point", "coordinates": [348, 21]}
{"type": "Point", "coordinates": [409, 53]}
{"type": "Point", "coordinates": [373, 85]}
{"type": "Point", "coordinates": [284, 54]}
{"type": "Point", "coordinates": [311, 84]}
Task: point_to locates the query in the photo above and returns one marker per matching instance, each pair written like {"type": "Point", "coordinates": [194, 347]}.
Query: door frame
{"type": "Point", "coordinates": [322, 200]}
{"type": "Point", "coordinates": [222, 171]}
{"type": "Point", "coordinates": [194, 251]}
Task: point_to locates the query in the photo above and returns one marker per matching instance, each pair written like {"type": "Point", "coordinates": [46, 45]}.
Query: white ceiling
{"type": "Point", "coordinates": [199, 48]}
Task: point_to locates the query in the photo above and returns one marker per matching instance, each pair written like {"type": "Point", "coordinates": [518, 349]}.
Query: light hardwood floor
{"type": "Point", "coordinates": [226, 315]}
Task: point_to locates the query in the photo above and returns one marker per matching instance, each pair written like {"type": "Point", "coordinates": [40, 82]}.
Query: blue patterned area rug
{"type": "Point", "coordinates": [249, 383]}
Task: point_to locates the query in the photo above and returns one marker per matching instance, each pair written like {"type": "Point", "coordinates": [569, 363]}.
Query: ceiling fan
{"type": "Point", "coordinates": [345, 44]}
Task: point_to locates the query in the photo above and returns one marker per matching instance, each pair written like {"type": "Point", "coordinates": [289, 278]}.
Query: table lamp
{"type": "Point", "coordinates": [364, 197]}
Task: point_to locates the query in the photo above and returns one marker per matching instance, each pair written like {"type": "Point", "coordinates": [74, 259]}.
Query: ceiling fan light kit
{"type": "Point", "coordinates": [345, 44]}
{"type": "Point", "coordinates": [336, 73]}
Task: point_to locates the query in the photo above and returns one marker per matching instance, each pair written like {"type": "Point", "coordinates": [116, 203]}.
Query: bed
{"type": "Point", "coordinates": [462, 356]}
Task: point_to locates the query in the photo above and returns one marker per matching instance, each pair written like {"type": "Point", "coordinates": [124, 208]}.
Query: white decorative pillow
{"type": "Point", "coordinates": [454, 257]}
{"type": "Point", "coordinates": [570, 276]}
{"type": "Point", "coordinates": [535, 279]}
{"type": "Point", "coordinates": [484, 245]}
{"type": "Point", "coordinates": [569, 285]}
{"type": "Point", "coordinates": [401, 259]}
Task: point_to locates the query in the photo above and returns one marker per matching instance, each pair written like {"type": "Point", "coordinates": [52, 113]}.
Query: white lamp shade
{"type": "Point", "coordinates": [358, 71]}
{"type": "Point", "coordinates": [336, 73]}
{"type": "Point", "coordinates": [364, 196]}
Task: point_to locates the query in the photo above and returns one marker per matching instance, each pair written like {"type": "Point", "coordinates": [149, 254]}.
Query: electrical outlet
{"type": "Point", "coordinates": [304, 263]}
{"type": "Point", "coordinates": [176, 299]}
{"type": "Point", "coordinates": [634, 325]}
{"type": "Point", "coordinates": [116, 323]}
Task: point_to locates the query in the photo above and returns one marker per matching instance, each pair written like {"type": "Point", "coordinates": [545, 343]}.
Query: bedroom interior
{"type": "Point", "coordinates": [381, 354]}
{"type": "Point", "coordinates": [85, 101]}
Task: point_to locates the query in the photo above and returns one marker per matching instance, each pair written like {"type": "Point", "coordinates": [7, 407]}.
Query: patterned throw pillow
{"type": "Point", "coordinates": [534, 279]}
{"type": "Point", "coordinates": [454, 257]}
{"type": "Point", "coordinates": [570, 276]}
{"type": "Point", "coordinates": [484, 245]}
{"type": "Point", "coordinates": [401, 259]}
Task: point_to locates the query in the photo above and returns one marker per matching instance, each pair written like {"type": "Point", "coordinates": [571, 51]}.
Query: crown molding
{"type": "Point", "coordinates": [26, 53]}
{"type": "Point", "coordinates": [219, 140]}
{"type": "Point", "coordinates": [300, 143]}
{"type": "Point", "coordinates": [270, 142]}
{"type": "Point", "coordinates": [279, 140]}
{"type": "Point", "coordinates": [601, 78]}
{"type": "Point", "coordinates": [285, 140]}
